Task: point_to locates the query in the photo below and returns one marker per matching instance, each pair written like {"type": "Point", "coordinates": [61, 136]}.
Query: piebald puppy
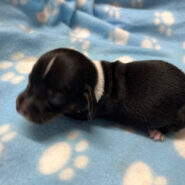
{"type": "Point", "coordinates": [144, 94]}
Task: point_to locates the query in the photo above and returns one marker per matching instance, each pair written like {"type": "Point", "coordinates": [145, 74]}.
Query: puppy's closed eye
{"type": "Point", "coordinates": [55, 98]}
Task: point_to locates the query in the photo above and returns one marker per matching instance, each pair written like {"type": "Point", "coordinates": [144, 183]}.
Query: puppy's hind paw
{"type": "Point", "coordinates": [156, 135]}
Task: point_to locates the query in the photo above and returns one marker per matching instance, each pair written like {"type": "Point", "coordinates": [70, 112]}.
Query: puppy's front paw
{"type": "Point", "coordinates": [156, 135]}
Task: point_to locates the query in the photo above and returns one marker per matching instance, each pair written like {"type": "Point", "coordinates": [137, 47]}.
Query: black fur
{"type": "Point", "coordinates": [145, 94]}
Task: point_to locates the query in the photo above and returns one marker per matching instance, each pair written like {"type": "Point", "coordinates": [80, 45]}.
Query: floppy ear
{"type": "Point", "coordinates": [91, 101]}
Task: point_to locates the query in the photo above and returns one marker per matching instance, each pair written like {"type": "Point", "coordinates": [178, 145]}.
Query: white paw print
{"type": "Point", "coordinates": [136, 3]}
{"type": "Point", "coordinates": [26, 29]}
{"type": "Point", "coordinates": [119, 36]}
{"type": "Point", "coordinates": [139, 173]}
{"type": "Point", "coordinates": [58, 156]}
{"type": "Point", "coordinates": [44, 15]}
{"type": "Point", "coordinates": [23, 66]}
{"type": "Point", "coordinates": [113, 10]}
{"type": "Point", "coordinates": [164, 21]}
{"type": "Point", "coordinates": [150, 43]}
{"type": "Point", "coordinates": [48, 10]}
{"type": "Point", "coordinates": [79, 35]}
{"type": "Point", "coordinates": [81, 3]}
{"type": "Point", "coordinates": [179, 142]}
{"type": "Point", "coordinates": [125, 59]}
{"type": "Point", "coordinates": [5, 136]}
{"type": "Point", "coordinates": [183, 46]}
{"type": "Point", "coordinates": [57, 4]}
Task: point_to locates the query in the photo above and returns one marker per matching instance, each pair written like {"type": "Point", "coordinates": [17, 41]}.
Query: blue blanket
{"type": "Point", "coordinates": [92, 152]}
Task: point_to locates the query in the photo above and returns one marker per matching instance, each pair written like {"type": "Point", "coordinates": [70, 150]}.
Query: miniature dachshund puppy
{"type": "Point", "coordinates": [144, 94]}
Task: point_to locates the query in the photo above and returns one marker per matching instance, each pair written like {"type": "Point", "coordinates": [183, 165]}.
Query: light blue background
{"type": "Point", "coordinates": [111, 150]}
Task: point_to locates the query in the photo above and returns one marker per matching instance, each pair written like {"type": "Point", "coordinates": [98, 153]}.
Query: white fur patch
{"type": "Point", "coordinates": [49, 66]}
{"type": "Point", "coordinates": [99, 89]}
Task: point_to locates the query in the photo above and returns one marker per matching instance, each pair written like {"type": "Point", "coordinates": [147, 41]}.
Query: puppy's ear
{"type": "Point", "coordinates": [91, 101]}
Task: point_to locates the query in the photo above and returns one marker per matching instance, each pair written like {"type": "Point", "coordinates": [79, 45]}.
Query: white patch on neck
{"type": "Point", "coordinates": [99, 88]}
{"type": "Point", "coordinates": [49, 66]}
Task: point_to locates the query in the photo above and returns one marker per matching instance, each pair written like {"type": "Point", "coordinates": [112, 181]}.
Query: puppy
{"type": "Point", "coordinates": [144, 94]}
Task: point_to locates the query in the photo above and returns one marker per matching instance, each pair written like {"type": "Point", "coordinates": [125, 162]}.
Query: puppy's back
{"type": "Point", "coordinates": [154, 91]}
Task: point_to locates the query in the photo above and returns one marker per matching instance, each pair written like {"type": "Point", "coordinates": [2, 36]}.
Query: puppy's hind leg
{"type": "Point", "coordinates": [156, 135]}
{"type": "Point", "coordinates": [177, 124]}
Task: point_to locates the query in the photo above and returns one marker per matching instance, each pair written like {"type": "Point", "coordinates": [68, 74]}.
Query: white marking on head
{"type": "Point", "coordinates": [48, 67]}
{"type": "Point", "coordinates": [99, 88]}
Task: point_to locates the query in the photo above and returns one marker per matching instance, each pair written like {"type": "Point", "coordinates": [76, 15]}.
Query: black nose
{"type": "Point", "coordinates": [20, 109]}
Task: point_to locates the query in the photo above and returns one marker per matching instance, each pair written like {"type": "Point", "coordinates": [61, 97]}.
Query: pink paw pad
{"type": "Point", "coordinates": [156, 135]}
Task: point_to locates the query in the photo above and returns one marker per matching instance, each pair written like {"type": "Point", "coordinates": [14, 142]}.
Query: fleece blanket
{"type": "Point", "coordinates": [72, 152]}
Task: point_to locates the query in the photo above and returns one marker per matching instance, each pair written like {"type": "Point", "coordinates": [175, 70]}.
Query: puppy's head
{"type": "Point", "coordinates": [61, 82]}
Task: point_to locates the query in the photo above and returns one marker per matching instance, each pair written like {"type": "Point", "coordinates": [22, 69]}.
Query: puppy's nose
{"type": "Point", "coordinates": [21, 110]}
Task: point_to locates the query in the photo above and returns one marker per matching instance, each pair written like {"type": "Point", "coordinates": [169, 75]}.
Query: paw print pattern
{"type": "Point", "coordinates": [136, 3]}
{"type": "Point", "coordinates": [125, 59]}
{"type": "Point", "coordinates": [26, 29]}
{"type": "Point", "coordinates": [139, 173]}
{"type": "Point", "coordinates": [48, 10]}
{"type": "Point", "coordinates": [179, 143]}
{"type": "Point", "coordinates": [23, 66]}
{"type": "Point", "coordinates": [22, 27]}
{"type": "Point", "coordinates": [5, 136]}
{"type": "Point", "coordinates": [57, 4]}
{"type": "Point", "coordinates": [12, 77]}
{"type": "Point", "coordinates": [119, 36]}
{"type": "Point", "coordinates": [44, 15]}
{"type": "Point", "coordinates": [80, 3]}
{"type": "Point", "coordinates": [58, 156]}
{"type": "Point", "coordinates": [79, 35]}
{"type": "Point", "coordinates": [150, 43]}
{"type": "Point", "coordinates": [164, 21]}
{"type": "Point", "coordinates": [113, 11]}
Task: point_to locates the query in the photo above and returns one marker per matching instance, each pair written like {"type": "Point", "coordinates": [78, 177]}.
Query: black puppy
{"type": "Point", "coordinates": [145, 94]}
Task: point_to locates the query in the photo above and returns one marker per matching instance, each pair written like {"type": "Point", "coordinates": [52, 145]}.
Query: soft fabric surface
{"type": "Point", "coordinates": [86, 153]}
